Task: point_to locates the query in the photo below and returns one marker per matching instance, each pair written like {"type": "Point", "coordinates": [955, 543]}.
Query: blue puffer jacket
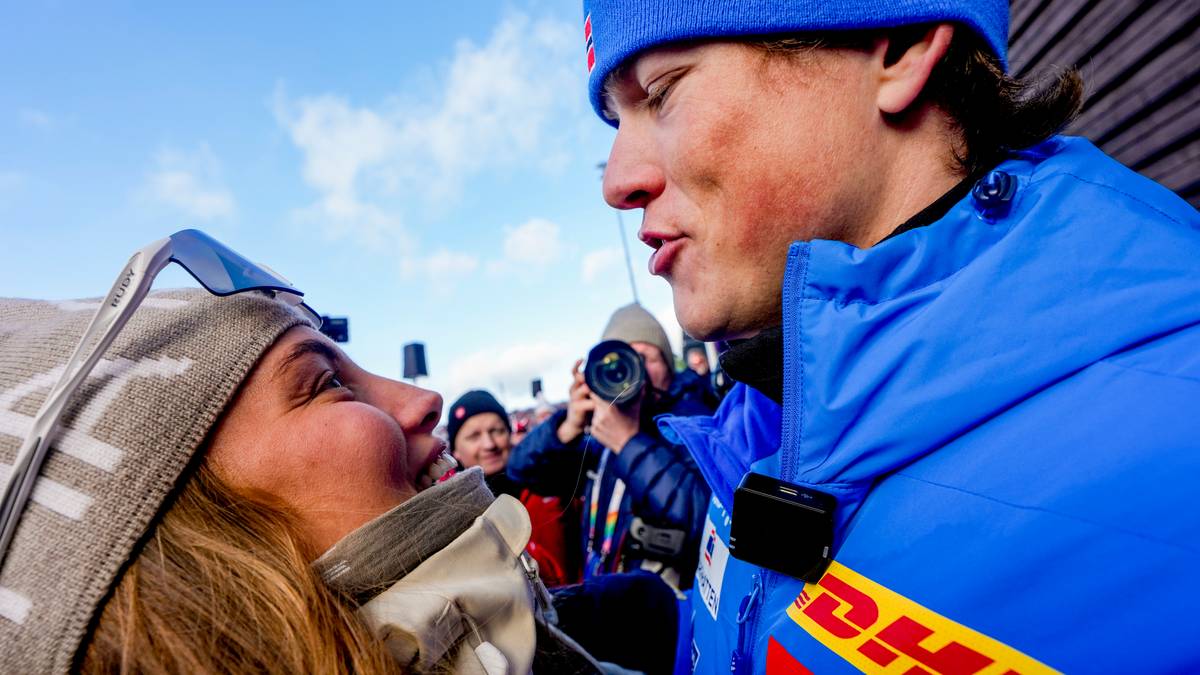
{"type": "Point", "coordinates": [650, 478]}
{"type": "Point", "coordinates": [1006, 408]}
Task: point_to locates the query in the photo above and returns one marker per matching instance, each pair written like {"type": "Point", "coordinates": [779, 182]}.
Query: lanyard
{"type": "Point", "coordinates": [596, 560]}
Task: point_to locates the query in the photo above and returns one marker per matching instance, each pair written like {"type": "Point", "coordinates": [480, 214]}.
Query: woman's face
{"type": "Point", "coordinates": [335, 444]}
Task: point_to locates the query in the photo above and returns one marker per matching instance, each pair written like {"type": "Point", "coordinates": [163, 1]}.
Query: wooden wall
{"type": "Point", "coordinates": [1141, 64]}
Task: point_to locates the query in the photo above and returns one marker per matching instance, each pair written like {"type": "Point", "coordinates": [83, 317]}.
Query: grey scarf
{"type": "Point", "coordinates": [367, 561]}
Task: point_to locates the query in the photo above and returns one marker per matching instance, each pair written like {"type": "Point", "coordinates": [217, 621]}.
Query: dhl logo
{"type": "Point", "coordinates": [881, 631]}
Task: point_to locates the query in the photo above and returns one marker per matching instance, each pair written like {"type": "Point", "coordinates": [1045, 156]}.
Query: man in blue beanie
{"type": "Point", "coordinates": [964, 438]}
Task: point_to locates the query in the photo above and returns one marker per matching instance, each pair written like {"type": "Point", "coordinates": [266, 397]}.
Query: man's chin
{"type": "Point", "coordinates": [698, 320]}
{"type": "Point", "coordinates": [711, 319]}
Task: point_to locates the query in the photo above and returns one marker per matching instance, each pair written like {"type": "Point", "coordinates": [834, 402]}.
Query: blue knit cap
{"type": "Point", "coordinates": [614, 30]}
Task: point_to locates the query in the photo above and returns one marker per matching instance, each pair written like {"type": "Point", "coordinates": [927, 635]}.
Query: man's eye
{"type": "Point", "coordinates": [657, 98]}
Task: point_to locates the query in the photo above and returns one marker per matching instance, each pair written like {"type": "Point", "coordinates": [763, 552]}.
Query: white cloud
{"type": "Point", "coordinates": [507, 372]}
{"type": "Point", "coordinates": [35, 118]}
{"type": "Point", "coordinates": [598, 263]}
{"type": "Point", "coordinates": [498, 104]}
{"type": "Point", "coordinates": [534, 242]}
{"type": "Point", "coordinates": [190, 183]}
{"type": "Point", "coordinates": [446, 263]}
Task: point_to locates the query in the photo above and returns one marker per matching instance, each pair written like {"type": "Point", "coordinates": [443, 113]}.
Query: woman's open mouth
{"type": "Point", "coordinates": [442, 466]}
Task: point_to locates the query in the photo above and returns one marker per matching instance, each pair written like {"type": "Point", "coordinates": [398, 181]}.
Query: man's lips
{"type": "Point", "coordinates": [664, 256]}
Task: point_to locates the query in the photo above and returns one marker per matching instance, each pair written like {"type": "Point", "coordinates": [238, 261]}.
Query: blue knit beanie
{"type": "Point", "coordinates": [615, 30]}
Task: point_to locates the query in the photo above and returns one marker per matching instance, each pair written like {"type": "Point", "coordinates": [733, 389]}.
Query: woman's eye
{"type": "Point", "coordinates": [330, 381]}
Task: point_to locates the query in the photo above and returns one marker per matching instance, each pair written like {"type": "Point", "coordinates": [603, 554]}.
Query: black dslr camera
{"type": "Point", "coordinates": [615, 372]}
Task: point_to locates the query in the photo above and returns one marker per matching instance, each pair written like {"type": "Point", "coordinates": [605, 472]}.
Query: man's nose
{"type": "Point", "coordinates": [632, 177]}
{"type": "Point", "coordinates": [489, 443]}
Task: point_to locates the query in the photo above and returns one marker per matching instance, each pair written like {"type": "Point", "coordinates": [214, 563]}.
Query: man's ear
{"type": "Point", "coordinates": [902, 78]}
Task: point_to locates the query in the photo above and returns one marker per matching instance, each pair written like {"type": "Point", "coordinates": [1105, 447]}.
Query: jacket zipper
{"type": "Point", "coordinates": [793, 393]}
{"type": "Point", "coordinates": [747, 619]}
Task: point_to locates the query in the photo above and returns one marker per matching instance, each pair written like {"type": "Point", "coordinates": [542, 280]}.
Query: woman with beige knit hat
{"type": "Point", "coordinates": [218, 488]}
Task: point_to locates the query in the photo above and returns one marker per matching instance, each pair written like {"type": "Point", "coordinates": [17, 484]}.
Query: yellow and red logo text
{"type": "Point", "coordinates": [880, 631]}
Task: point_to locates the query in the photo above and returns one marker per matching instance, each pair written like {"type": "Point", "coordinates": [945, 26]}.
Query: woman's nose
{"type": "Point", "coordinates": [632, 177]}
{"type": "Point", "coordinates": [417, 410]}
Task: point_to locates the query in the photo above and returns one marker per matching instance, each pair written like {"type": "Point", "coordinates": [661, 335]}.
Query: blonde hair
{"type": "Point", "coordinates": [224, 586]}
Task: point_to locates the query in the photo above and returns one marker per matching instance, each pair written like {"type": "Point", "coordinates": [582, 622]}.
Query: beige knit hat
{"type": "Point", "coordinates": [632, 323]}
{"type": "Point", "coordinates": [126, 440]}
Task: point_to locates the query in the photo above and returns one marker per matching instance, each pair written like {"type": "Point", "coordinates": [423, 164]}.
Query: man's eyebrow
{"type": "Point", "coordinates": [303, 348]}
{"type": "Point", "coordinates": [608, 93]}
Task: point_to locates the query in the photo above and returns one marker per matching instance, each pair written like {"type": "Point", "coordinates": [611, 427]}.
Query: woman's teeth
{"type": "Point", "coordinates": [441, 467]}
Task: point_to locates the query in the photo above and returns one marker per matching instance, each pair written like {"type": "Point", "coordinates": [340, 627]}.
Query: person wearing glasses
{"type": "Point", "coordinates": [208, 484]}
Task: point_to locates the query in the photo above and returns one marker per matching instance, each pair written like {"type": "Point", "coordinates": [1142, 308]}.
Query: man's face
{"type": "Point", "coordinates": [658, 371]}
{"type": "Point", "coordinates": [483, 440]}
{"type": "Point", "coordinates": [732, 157]}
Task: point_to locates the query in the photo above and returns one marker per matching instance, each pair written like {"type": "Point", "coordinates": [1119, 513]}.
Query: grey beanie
{"type": "Point", "coordinates": [125, 441]}
{"type": "Point", "coordinates": [632, 323]}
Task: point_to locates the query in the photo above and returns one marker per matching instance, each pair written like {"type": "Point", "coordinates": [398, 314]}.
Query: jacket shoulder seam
{"type": "Point", "coordinates": [1113, 188]}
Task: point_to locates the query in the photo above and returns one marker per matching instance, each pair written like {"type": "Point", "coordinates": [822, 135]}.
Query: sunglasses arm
{"type": "Point", "coordinates": [115, 310]}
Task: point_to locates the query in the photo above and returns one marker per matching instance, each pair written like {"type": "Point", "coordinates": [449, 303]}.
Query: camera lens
{"type": "Point", "coordinates": [614, 371]}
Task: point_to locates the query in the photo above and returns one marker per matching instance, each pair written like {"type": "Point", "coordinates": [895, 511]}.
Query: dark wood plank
{"type": "Point", "coordinates": [1178, 169]}
{"type": "Point", "coordinates": [1159, 123]}
{"type": "Point", "coordinates": [1145, 84]}
{"type": "Point", "coordinates": [1157, 30]}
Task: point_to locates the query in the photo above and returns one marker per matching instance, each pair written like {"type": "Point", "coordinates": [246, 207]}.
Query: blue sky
{"type": "Point", "coordinates": [426, 169]}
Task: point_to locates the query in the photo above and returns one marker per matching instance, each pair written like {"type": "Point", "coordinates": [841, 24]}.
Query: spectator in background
{"type": "Point", "coordinates": [644, 500]}
{"type": "Point", "coordinates": [521, 423]}
{"type": "Point", "coordinates": [480, 435]}
{"type": "Point", "coordinates": [542, 412]}
{"type": "Point", "coordinates": [696, 359]}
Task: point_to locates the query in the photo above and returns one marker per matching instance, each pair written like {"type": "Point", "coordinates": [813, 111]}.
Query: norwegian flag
{"type": "Point", "coordinates": [587, 41]}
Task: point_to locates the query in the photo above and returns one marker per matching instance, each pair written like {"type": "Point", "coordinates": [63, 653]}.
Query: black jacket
{"type": "Point", "coordinates": [662, 485]}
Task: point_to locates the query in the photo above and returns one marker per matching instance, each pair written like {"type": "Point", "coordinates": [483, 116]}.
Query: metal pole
{"type": "Point", "coordinates": [624, 243]}
{"type": "Point", "coordinates": [628, 262]}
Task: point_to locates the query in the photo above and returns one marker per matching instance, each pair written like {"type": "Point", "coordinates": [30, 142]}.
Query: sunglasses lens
{"type": "Point", "coordinates": [220, 269]}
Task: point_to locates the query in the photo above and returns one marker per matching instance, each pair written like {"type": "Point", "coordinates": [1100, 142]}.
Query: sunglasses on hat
{"type": "Point", "coordinates": [218, 268]}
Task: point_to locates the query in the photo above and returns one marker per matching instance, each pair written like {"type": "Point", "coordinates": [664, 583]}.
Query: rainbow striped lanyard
{"type": "Point", "coordinates": [596, 561]}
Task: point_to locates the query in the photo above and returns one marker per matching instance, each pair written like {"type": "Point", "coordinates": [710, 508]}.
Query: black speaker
{"type": "Point", "coordinates": [414, 360]}
{"type": "Point", "coordinates": [536, 387]}
{"type": "Point", "coordinates": [336, 327]}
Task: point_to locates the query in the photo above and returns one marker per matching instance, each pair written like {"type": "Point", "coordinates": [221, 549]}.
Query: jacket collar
{"type": "Point", "coordinates": [895, 351]}
{"type": "Point", "coordinates": [758, 361]}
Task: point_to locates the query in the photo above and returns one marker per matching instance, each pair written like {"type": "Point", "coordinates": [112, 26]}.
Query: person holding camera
{"type": "Point", "coordinates": [644, 501]}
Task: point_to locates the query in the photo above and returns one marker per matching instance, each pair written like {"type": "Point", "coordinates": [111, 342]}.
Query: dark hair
{"type": "Point", "coordinates": [995, 113]}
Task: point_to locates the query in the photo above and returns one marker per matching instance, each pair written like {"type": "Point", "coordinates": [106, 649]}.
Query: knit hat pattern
{"type": "Point", "coordinates": [125, 441]}
{"type": "Point", "coordinates": [632, 323]}
{"type": "Point", "coordinates": [469, 405]}
{"type": "Point", "coordinates": [615, 30]}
